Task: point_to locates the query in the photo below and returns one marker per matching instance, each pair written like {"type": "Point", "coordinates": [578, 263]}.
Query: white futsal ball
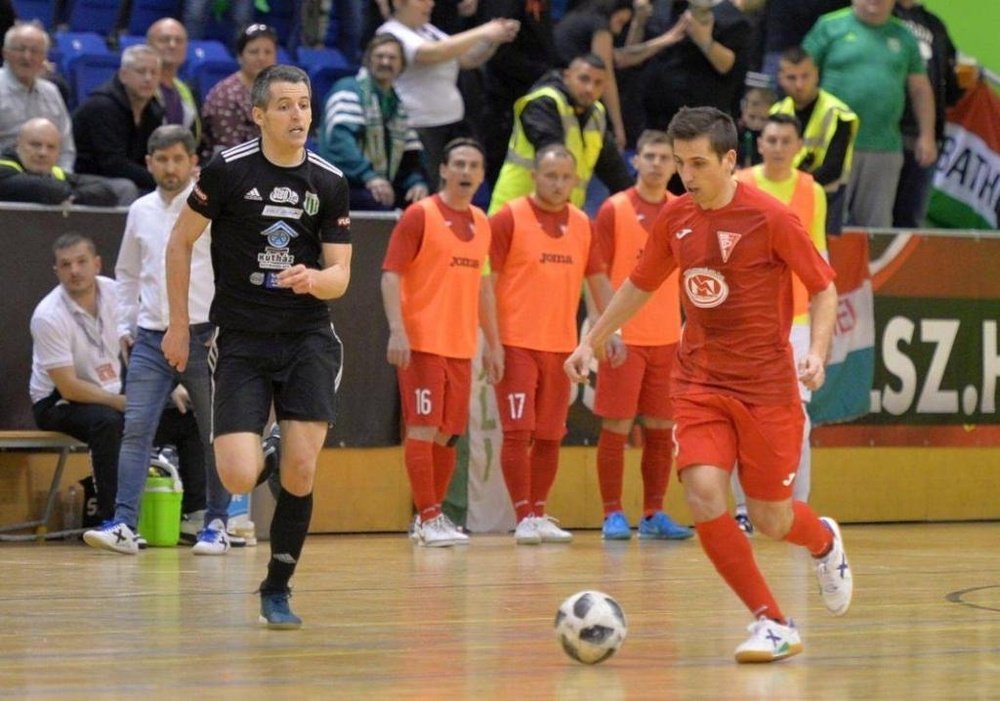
{"type": "Point", "coordinates": [590, 626]}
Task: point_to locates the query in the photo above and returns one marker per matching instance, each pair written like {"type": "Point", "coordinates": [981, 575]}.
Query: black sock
{"type": "Point", "coordinates": [288, 532]}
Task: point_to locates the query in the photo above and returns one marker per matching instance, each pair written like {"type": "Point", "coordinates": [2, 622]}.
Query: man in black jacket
{"type": "Point", "coordinates": [112, 126]}
{"type": "Point", "coordinates": [28, 172]}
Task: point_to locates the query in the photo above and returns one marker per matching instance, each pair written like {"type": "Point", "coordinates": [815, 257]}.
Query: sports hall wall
{"type": "Point", "coordinates": [973, 27]}
{"type": "Point", "coordinates": [929, 452]}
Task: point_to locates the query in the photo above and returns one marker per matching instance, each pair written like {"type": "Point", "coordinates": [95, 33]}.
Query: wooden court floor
{"type": "Point", "coordinates": [386, 620]}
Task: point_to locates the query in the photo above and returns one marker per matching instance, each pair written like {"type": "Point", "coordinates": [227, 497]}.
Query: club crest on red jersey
{"type": "Point", "coordinates": [706, 288]}
{"type": "Point", "coordinates": [727, 242]}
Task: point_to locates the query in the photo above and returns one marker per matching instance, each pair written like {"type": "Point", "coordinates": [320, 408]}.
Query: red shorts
{"type": "Point", "coordinates": [639, 386]}
{"type": "Point", "coordinates": [436, 391]}
{"type": "Point", "coordinates": [534, 393]}
{"type": "Point", "coordinates": [719, 430]}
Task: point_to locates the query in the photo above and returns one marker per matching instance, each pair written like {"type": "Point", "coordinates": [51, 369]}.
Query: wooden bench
{"type": "Point", "coordinates": [40, 442]}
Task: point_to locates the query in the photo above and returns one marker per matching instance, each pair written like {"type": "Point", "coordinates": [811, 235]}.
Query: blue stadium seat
{"type": "Point", "coordinates": [210, 72]}
{"type": "Point", "coordinates": [199, 51]}
{"type": "Point", "coordinates": [284, 57]}
{"type": "Point", "coordinates": [41, 10]}
{"type": "Point", "coordinates": [93, 15]}
{"type": "Point", "coordinates": [127, 40]}
{"type": "Point", "coordinates": [90, 71]}
{"type": "Point", "coordinates": [321, 79]}
{"type": "Point", "coordinates": [314, 59]}
{"type": "Point", "coordinates": [72, 45]}
{"type": "Point", "coordinates": [280, 16]}
{"type": "Point", "coordinates": [145, 12]}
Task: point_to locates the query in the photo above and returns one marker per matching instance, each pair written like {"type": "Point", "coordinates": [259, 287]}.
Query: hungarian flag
{"type": "Point", "coordinates": [966, 192]}
{"type": "Point", "coordinates": [846, 393]}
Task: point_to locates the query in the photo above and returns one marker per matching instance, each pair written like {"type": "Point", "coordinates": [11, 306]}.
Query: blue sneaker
{"type": "Point", "coordinates": [275, 614]}
{"type": "Point", "coordinates": [659, 526]}
{"type": "Point", "coordinates": [616, 527]}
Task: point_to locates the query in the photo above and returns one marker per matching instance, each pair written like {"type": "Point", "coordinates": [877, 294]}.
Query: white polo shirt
{"type": "Point", "coordinates": [141, 270]}
{"type": "Point", "coordinates": [429, 91]}
{"type": "Point", "coordinates": [65, 335]}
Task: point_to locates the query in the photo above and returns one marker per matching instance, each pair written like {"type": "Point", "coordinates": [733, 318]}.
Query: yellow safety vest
{"type": "Point", "coordinates": [57, 172]}
{"type": "Point", "coordinates": [585, 144]}
{"type": "Point", "coordinates": [818, 133]}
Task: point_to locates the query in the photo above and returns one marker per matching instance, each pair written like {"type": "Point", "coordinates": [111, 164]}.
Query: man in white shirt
{"type": "Point", "coordinates": [75, 371]}
{"type": "Point", "coordinates": [142, 321]}
{"type": "Point", "coordinates": [25, 93]}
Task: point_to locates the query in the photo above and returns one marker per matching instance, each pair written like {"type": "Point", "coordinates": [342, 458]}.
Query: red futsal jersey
{"type": "Point", "coordinates": [735, 285]}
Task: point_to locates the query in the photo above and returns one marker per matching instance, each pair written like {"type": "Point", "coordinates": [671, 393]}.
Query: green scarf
{"type": "Point", "coordinates": [385, 126]}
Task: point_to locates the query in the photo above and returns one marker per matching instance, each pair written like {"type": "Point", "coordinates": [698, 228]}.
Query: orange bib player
{"type": "Point", "coordinates": [431, 279]}
{"type": "Point", "coordinates": [734, 387]}
{"type": "Point", "coordinates": [540, 254]}
{"type": "Point", "coordinates": [639, 382]}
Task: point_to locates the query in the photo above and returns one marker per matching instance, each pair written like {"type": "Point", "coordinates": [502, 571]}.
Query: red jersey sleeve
{"type": "Point", "coordinates": [791, 242]}
{"type": "Point", "coordinates": [603, 236]}
{"type": "Point", "coordinates": [405, 241]}
{"type": "Point", "coordinates": [502, 229]}
{"type": "Point", "coordinates": [657, 261]}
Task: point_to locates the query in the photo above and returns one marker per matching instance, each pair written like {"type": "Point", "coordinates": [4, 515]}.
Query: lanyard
{"type": "Point", "coordinates": [76, 314]}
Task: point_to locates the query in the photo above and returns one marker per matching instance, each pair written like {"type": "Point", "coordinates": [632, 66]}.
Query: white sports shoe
{"type": "Point", "coordinates": [836, 583]}
{"type": "Point", "coordinates": [457, 534]}
{"type": "Point", "coordinates": [414, 531]}
{"type": "Point", "coordinates": [115, 537]}
{"type": "Point", "coordinates": [436, 533]}
{"type": "Point", "coordinates": [769, 641]}
{"type": "Point", "coordinates": [526, 532]}
{"type": "Point", "coordinates": [212, 540]}
{"type": "Point", "coordinates": [549, 532]}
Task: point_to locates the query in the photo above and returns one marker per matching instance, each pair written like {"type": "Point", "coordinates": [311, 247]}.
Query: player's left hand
{"type": "Point", "coordinates": [417, 192]}
{"type": "Point", "coordinates": [812, 372]}
{"type": "Point", "coordinates": [493, 364]}
{"type": "Point", "coordinates": [298, 278]}
{"type": "Point", "coordinates": [615, 351]}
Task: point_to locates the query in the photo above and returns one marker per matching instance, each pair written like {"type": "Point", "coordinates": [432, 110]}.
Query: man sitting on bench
{"type": "Point", "coordinates": [75, 367]}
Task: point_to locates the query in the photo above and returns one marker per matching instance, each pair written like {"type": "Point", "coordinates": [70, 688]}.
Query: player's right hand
{"type": "Point", "coordinates": [577, 365]}
{"type": "Point", "coordinates": [175, 346]}
{"type": "Point", "coordinates": [615, 350]}
{"type": "Point", "coordinates": [398, 352]}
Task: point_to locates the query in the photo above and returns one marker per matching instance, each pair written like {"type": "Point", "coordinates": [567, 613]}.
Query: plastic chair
{"type": "Point", "coordinates": [145, 12]}
{"type": "Point", "coordinates": [281, 16]}
{"type": "Point", "coordinates": [91, 15]}
{"type": "Point", "coordinates": [41, 10]}
{"type": "Point", "coordinates": [208, 73]}
{"type": "Point", "coordinates": [90, 71]}
{"type": "Point", "coordinates": [72, 45]}
{"type": "Point", "coordinates": [313, 59]}
{"type": "Point", "coordinates": [199, 51]}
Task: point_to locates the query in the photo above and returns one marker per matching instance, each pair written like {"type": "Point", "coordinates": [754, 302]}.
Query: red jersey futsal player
{"type": "Point", "coordinates": [638, 383]}
{"type": "Point", "coordinates": [431, 281]}
{"type": "Point", "coordinates": [734, 390]}
{"type": "Point", "coordinates": [540, 253]}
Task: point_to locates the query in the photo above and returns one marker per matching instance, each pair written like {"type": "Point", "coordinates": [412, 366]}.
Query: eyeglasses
{"type": "Point", "coordinates": [30, 50]}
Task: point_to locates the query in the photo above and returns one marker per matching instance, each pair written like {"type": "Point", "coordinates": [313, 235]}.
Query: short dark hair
{"type": "Point", "coordinates": [377, 41]}
{"type": "Point", "coordinates": [691, 123]}
{"type": "Point", "coordinates": [460, 142]}
{"type": "Point", "coordinates": [795, 55]}
{"type": "Point", "coordinates": [556, 149]}
{"type": "Point", "coordinates": [780, 118]}
{"type": "Point", "coordinates": [70, 239]}
{"type": "Point", "coordinates": [591, 59]}
{"type": "Point", "coordinates": [255, 31]}
{"type": "Point", "coordinates": [261, 91]}
{"type": "Point", "coordinates": [167, 135]}
{"type": "Point", "coordinates": [651, 136]}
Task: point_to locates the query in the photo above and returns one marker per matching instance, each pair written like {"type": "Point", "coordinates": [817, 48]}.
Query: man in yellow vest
{"type": "Point", "coordinates": [563, 108]}
{"type": "Point", "coordinates": [638, 382]}
{"type": "Point", "coordinates": [779, 144]}
{"type": "Point", "coordinates": [829, 127]}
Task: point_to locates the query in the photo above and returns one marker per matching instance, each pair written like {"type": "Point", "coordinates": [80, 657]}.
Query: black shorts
{"type": "Point", "coordinates": [300, 372]}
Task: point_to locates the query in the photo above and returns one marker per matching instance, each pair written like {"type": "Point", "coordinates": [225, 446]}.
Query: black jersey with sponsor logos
{"type": "Point", "coordinates": [266, 218]}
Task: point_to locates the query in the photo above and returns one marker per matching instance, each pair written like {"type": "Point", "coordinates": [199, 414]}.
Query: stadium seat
{"type": "Point", "coordinates": [199, 51]}
{"type": "Point", "coordinates": [93, 15]}
{"type": "Point", "coordinates": [90, 71]}
{"type": "Point", "coordinates": [314, 59]}
{"type": "Point", "coordinates": [40, 10]}
{"type": "Point", "coordinates": [145, 12]}
{"type": "Point", "coordinates": [322, 79]}
{"type": "Point", "coordinates": [127, 40]}
{"type": "Point", "coordinates": [280, 16]}
{"type": "Point", "coordinates": [72, 45]}
{"type": "Point", "coordinates": [210, 72]}
{"type": "Point", "coordinates": [284, 57]}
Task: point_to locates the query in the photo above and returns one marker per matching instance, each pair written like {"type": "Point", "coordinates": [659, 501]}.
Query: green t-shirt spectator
{"type": "Point", "coordinates": [867, 67]}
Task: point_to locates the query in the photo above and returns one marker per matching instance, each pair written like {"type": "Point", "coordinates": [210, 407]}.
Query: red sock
{"type": "Point", "coordinates": [610, 466]}
{"type": "Point", "coordinates": [656, 458]}
{"type": "Point", "coordinates": [420, 468]}
{"type": "Point", "coordinates": [444, 468]}
{"type": "Point", "coordinates": [516, 472]}
{"type": "Point", "coordinates": [544, 465]}
{"type": "Point", "coordinates": [730, 552]}
{"type": "Point", "coordinates": [809, 531]}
